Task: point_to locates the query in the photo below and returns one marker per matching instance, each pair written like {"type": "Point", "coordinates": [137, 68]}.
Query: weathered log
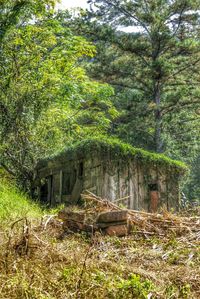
{"type": "Point", "coordinates": [117, 230]}
{"type": "Point", "coordinates": [76, 216]}
{"type": "Point", "coordinates": [107, 224]}
{"type": "Point", "coordinates": [78, 226]}
{"type": "Point", "coordinates": [73, 225]}
{"type": "Point", "coordinates": [112, 216]}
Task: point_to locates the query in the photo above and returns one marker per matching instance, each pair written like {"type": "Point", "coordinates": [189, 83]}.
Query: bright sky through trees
{"type": "Point", "coordinates": [83, 4]}
{"type": "Point", "coordinates": [73, 3]}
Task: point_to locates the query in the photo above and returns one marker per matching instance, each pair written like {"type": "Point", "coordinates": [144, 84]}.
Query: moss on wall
{"type": "Point", "coordinates": [113, 149]}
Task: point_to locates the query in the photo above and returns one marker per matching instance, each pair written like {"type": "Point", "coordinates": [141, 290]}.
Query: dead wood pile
{"type": "Point", "coordinates": [101, 214]}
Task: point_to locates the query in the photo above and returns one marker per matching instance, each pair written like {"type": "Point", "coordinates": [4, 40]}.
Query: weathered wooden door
{"type": "Point", "coordinates": [154, 198]}
{"type": "Point", "coordinates": [154, 201]}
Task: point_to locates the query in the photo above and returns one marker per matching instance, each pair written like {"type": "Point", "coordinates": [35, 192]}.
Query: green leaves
{"type": "Point", "coordinates": [139, 288]}
{"type": "Point", "coordinates": [46, 95]}
{"type": "Point", "coordinates": [156, 66]}
{"type": "Point", "coordinates": [15, 12]}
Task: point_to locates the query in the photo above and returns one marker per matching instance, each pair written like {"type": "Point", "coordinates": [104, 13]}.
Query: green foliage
{"type": "Point", "coordinates": [134, 285]}
{"type": "Point", "coordinates": [192, 188]}
{"type": "Point", "coordinates": [155, 69]}
{"type": "Point", "coordinates": [46, 97]}
{"type": "Point", "coordinates": [173, 291]}
{"type": "Point", "coordinates": [149, 52]}
{"type": "Point", "coordinates": [67, 273]}
{"type": "Point", "coordinates": [48, 101]}
{"type": "Point", "coordinates": [64, 122]}
{"type": "Point", "coordinates": [185, 291]}
{"type": "Point", "coordinates": [15, 12]}
{"type": "Point", "coordinates": [116, 150]}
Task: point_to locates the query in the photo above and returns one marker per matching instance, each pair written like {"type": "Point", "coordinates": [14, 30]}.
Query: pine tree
{"type": "Point", "coordinates": [157, 63]}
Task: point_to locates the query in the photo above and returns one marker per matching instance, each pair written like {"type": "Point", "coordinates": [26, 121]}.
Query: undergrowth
{"type": "Point", "coordinates": [38, 261]}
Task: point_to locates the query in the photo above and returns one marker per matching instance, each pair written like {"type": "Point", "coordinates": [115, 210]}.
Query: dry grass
{"type": "Point", "coordinates": [37, 261]}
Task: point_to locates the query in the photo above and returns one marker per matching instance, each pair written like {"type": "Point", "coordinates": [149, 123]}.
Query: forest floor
{"type": "Point", "coordinates": [38, 261]}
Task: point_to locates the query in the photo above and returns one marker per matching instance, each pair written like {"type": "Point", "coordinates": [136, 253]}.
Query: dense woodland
{"type": "Point", "coordinates": [127, 69]}
{"type": "Point", "coordinates": [123, 71]}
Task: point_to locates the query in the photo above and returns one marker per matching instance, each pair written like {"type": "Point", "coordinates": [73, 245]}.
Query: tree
{"type": "Point", "coordinates": [192, 188]}
{"type": "Point", "coordinates": [157, 63]}
{"type": "Point", "coordinates": [45, 96]}
{"type": "Point", "coordinates": [15, 12]}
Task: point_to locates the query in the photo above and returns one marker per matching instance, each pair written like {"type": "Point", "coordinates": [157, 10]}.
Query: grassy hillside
{"type": "Point", "coordinates": [15, 204]}
{"type": "Point", "coordinates": [38, 262]}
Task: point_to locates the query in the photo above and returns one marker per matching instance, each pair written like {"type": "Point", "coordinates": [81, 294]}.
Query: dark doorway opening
{"type": "Point", "coordinates": [80, 172]}
{"type": "Point", "coordinates": [44, 191]}
{"type": "Point", "coordinates": [153, 187]}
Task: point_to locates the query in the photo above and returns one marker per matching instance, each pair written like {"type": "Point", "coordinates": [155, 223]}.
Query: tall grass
{"type": "Point", "coordinates": [14, 204]}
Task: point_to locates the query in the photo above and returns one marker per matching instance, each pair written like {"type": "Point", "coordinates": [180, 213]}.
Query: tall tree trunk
{"type": "Point", "coordinates": [158, 120]}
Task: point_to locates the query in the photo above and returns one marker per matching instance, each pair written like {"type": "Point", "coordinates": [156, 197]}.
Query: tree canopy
{"type": "Point", "coordinates": [47, 99]}
{"type": "Point", "coordinates": [157, 63]}
{"type": "Point", "coordinates": [123, 68]}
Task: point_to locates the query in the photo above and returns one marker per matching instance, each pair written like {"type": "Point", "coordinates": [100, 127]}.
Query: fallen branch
{"type": "Point", "coordinates": [150, 223]}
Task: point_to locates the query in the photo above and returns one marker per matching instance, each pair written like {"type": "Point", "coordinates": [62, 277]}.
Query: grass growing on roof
{"type": "Point", "coordinates": [116, 149]}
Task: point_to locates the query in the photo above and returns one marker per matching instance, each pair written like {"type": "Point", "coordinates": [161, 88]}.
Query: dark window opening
{"type": "Point", "coordinates": [80, 172]}
{"type": "Point", "coordinates": [153, 187]}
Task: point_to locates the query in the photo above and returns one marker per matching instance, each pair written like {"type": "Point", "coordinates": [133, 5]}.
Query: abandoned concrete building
{"type": "Point", "coordinates": [110, 169]}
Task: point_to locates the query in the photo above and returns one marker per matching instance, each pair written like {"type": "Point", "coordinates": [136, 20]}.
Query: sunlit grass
{"type": "Point", "coordinates": [14, 204]}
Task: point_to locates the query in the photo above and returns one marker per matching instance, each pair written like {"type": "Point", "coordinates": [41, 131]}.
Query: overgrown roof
{"type": "Point", "coordinates": [116, 150]}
